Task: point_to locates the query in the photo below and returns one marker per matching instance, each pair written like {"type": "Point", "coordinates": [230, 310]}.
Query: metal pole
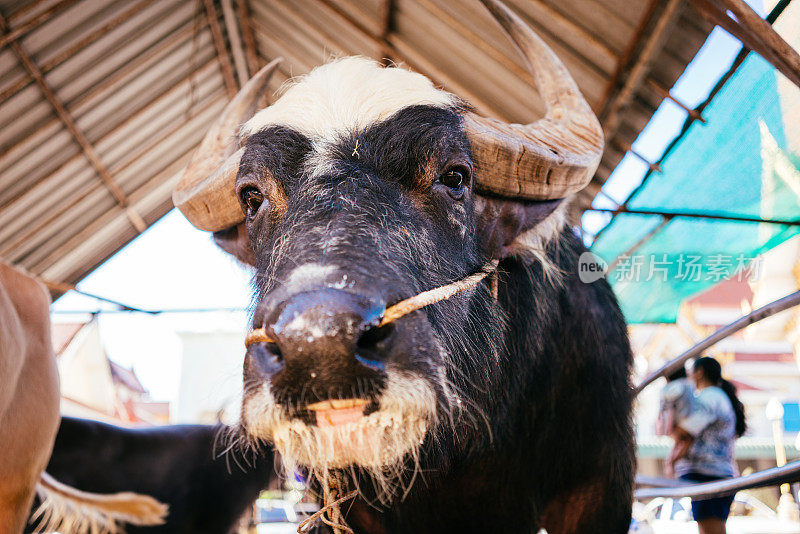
{"type": "Point", "coordinates": [770, 309]}
{"type": "Point", "coordinates": [769, 477]}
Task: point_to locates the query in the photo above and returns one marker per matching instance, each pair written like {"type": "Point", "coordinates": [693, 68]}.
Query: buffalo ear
{"type": "Point", "coordinates": [501, 221]}
{"type": "Point", "coordinates": [235, 241]}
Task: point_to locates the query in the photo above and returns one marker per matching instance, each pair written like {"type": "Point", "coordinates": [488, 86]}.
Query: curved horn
{"type": "Point", "coordinates": [550, 158]}
{"type": "Point", "coordinates": [205, 192]}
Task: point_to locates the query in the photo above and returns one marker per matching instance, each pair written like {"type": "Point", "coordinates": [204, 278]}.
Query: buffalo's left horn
{"type": "Point", "coordinates": [547, 159]}
{"type": "Point", "coordinates": [206, 191]}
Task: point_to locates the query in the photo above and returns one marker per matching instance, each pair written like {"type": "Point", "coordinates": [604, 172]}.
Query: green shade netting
{"type": "Point", "coordinates": [743, 161]}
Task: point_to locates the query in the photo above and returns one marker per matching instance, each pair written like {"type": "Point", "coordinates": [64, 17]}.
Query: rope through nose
{"type": "Point", "coordinates": [432, 296]}
{"type": "Point", "coordinates": [330, 513]}
{"type": "Point", "coordinates": [406, 306]}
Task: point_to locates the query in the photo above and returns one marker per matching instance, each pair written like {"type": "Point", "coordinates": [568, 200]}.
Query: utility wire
{"type": "Point", "coordinates": [148, 312]}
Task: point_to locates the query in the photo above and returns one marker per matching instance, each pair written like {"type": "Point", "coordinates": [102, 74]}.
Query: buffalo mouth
{"type": "Point", "coordinates": [337, 412]}
{"type": "Point", "coordinates": [337, 433]}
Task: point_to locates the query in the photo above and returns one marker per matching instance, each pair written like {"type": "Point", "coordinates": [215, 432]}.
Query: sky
{"type": "Point", "coordinates": [172, 265]}
{"type": "Point", "coordinates": [692, 88]}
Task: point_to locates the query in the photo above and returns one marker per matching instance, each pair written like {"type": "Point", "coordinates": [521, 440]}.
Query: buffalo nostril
{"type": "Point", "coordinates": [367, 346]}
{"type": "Point", "coordinates": [264, 357]}
{"type": "Point", "coordinates": [373, 335]}
{"type": "Point", "coordinates": [275, 350]}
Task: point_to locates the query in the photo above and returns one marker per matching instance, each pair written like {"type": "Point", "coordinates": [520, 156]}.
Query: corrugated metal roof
{"type": "Point", "coordinates": [102, 102]}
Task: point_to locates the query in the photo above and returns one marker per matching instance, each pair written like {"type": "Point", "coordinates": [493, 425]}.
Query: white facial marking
{"type": "Point", "coordinates": [310, 273]}
{"type": "Point", "coordinates": [347, 94]}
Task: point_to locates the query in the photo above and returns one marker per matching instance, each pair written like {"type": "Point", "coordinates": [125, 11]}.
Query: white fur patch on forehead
{"type": "Point", "coordinates": [345, 95]}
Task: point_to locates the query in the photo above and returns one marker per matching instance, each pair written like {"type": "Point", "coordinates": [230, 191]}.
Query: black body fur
{"type": "Point", "coordinates": [180, 465]}
{"type": "Point", "coordinates": [534, 426]}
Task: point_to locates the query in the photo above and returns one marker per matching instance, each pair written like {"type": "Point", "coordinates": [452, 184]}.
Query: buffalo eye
{"type": "Point", "coordinates": [252, 198]}
{"type": "Point", "coordinates": [454, 178]}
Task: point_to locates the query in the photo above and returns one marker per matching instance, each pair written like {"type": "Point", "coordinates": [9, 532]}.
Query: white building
{"type": "Point", "coordinates": [211, 368]}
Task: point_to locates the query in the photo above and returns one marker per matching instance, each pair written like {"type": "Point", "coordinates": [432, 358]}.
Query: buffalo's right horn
{"type": "Point", "coordinates": [547, 159]}
{"type": "Point", "coordinates": [206, 191]}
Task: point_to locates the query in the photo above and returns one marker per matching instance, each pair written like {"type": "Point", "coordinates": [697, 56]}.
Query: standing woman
{"type": "Point", "coordinates": [711, 430]}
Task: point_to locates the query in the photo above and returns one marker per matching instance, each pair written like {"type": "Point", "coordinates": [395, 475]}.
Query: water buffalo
{"type": "Point", "coordinates": [504, 408]}
{"type": "Point", "coordinates": [29, 406]}
{"type": "Point", "coordinates": [184, 466]}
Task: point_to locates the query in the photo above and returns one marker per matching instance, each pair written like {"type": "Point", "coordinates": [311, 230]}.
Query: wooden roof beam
{"type": "Point", "coordinates": [69, 122]}
{"type": "Point", "coordinates": [22, 29]}
{"type": "Point", "coordinates": [234, 36]}
{"type": "Point", "coordinates": [243, 13]}
{"type": "Point", "coordinates": [754, 32]}
{"type": "Point", "coordinates": [222, 51]}
{"type": "Point", "coordinates": [627, 148]}
{"type": "Point", "coordinates": [388, 10]}
{"type": "Point", "coordinates": [610, 117]}
{"type": "Point", "coordinates": [488, 49]}
{"type": "Point", "coordinates": [108, 82]}
{"type": "Point", "coordinates": [663, 92]}
{"type": "Point", "coordinates": [73, 251]}
{"type": "Point", "coordinates": [627, 55]}
{"type": "Point", "coordinates": [387, 17]}
{"type": "Point", "coordinates": [67, 53]}
{"type": "Point", "coordinates": [70, 203]}
{"type": "Point", "coordinates": [404, 53]}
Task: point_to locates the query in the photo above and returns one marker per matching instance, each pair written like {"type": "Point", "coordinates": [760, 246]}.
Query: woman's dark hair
{"type": "Point", "coordinates": [712, 370]}
{"type": "Point", "coordinates": [677, 375]}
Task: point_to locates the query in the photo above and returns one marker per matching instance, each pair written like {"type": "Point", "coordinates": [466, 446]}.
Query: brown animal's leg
{"type": "Point", "coordinates": [30, 396]}
{"type": "Point", "coordinates": [589, 509]}
{"type": "Point", "coordinates": [14, 507]}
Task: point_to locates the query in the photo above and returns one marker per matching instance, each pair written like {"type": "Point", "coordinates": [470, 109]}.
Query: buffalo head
{"type": "Point", "coordinates": [362, 186]}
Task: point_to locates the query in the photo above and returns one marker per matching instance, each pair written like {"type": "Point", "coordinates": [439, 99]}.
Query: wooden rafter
{"type": "Point", "coordinates": [71, 251]}
{"type": "Point", "coordinates": [731, 26]}
{"type": "Point", "coordinates": [76, 47]}
{"type": "Point", "coordinates": [165, 47]}
{"type": "Point", "coordinates": [399, 50]}
{"type": "Point", "coordinates": [222, 51]}
{"type": "Point", "coordinates": [626, 147]}
{"type": "Point", "coordinates": [388, 9]}
{"type": "Point", "coordinates": [243, 12]}
{"type": "Point", "coordinates": [488, 49]}
{"type": "Point", "coordinates": [610, 116]}
{"type": "Point", "coordinates": [234, 36]}
{"type": "Point", "coordinates": [69, 122]}
{"type": "Point", "coordinates": [70, 204]}
{"type": "Point", "coordinates": [754, 32]}
{"type": "Point", "coordinates": [387, 17]}
{"type": "Point", "coordinates": [627, 55]}
{"type": "Point", "coordinates": [664, 93]}
{"type": "Point", "coordinates": [22, 29]}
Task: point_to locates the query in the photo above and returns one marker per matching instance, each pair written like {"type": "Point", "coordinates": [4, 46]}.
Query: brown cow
{"type": "Point", "coordinates": [29, 417]}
